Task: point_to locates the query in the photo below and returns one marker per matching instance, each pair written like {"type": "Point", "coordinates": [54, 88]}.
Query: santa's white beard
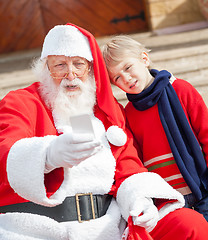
{"type": "Point", "coordinates": [65, 104]}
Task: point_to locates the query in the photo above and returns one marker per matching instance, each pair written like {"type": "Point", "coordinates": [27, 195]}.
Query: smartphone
{"type": "Point", "coordinates": [82, 124]}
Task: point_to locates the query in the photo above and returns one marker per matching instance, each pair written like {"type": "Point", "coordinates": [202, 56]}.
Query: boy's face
{"type": "Point", "coordinates": [132, 74]}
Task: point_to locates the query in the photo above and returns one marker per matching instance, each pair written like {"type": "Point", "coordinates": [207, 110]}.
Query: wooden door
{"type": "Point", "coordinates": [24, 23]}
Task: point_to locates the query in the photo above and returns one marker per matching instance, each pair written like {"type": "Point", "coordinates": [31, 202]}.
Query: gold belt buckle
{"type": "Point", "coordinates": [78, 206]}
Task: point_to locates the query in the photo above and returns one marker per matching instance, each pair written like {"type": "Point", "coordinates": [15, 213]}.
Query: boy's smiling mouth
{"type": "Point", "coordinates": [134, 84]}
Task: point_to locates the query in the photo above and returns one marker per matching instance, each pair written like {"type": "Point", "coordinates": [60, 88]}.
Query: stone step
{"type": "Point", "coordinates": [184, 54]}
{"type": "Point", "coordinates": [168, 41]}
{"type": "Point", "coordinates": [179, 53]}
{"type": "Point", "coordinates": [194, 69]}
{"type": "Point", "coordinates": [14, 80]}
{"type": "Point", "coordinates": [17, 61]}
{"type": "Point", "coordinates": [190, 64]}
{"type": "Point", "coordinates": [17, 78]}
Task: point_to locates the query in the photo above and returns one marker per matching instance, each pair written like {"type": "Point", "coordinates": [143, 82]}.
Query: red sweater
{"type": "Point", "coordinates": [153, 146]}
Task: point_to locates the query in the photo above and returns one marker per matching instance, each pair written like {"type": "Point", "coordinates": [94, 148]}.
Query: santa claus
{"type": "Point", "coordinates": [60, 184]}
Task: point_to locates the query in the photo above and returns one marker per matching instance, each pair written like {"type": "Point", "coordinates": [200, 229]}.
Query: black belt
{"type": "Point", "coordinates": [81, 207]}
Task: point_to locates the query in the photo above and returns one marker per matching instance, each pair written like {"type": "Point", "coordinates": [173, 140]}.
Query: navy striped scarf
{"type": "Point", "coordinates": [183, 143]}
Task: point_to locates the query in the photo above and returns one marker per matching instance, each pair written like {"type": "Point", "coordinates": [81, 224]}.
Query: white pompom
{"type": "Point", "coordinates": [116, 136]}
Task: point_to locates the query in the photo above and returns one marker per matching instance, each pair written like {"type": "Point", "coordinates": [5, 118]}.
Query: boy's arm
{"type": "Point", "coordinates": [196, 111]}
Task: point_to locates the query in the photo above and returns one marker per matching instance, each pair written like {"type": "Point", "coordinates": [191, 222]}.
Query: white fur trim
{"type": "Point", "coordinates": [151, 185]}
{"type": "Point", "coordinates": [26, 165]}
{"type": "Point", "coordinates": [25, 169]}
{"type": "Point", "coordinates": [116, 136]}
{"type": "Point", "coordinates": [68, 41]}
{"type": "Point", "coordinates": [24, 226]}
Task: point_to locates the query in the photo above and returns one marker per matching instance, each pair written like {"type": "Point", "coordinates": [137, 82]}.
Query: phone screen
{"type": "Point", "coordinates": [82, 124]}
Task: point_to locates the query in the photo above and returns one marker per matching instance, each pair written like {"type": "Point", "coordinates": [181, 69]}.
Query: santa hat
{"type": "Point", "coordinates": [66, 40]}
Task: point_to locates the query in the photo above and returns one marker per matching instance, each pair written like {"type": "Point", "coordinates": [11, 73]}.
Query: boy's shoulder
{"type": "Point", "coordinates": [131, 111]}
{"type": "Point", "coordinates": [182, 86]}
{"type": "Point", "coordinates": [128, 106]}
{"type": "Point", "coordinates": [181, 82]}
{"type": "Point", "coordinates": [183, 89]}
{"type": "Point", "coordinates": [187, 94]}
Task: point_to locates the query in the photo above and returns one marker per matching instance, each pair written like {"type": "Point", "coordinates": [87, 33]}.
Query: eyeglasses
{"type": "Point", "coordinates": [78, 70]}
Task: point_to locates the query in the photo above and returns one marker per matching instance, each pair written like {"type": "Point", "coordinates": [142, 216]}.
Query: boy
{"type": "Point", "coordinates": [168, 118]}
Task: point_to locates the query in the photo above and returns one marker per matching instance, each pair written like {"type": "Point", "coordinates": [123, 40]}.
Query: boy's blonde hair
{"type": "Point", "coordinates": [119, 47]}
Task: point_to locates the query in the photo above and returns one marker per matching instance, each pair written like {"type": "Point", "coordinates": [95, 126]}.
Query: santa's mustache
{"type": "Point", "coordinates": [65, 83]}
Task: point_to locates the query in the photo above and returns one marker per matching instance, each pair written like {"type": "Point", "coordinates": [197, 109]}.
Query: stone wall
{"type": "Point", "coordinates": [169, 13]}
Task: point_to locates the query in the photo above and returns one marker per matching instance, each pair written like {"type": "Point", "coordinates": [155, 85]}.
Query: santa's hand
{"type": "Point", "coordinates": [145, 214]}
{"type": "Point", "coordinates": [69, 149]}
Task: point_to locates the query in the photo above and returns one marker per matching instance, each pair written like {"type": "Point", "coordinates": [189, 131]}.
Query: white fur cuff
{"type": "Point", "coordinates": [150, 185]}
{"type": "Point", "coordinates": [25, 169]}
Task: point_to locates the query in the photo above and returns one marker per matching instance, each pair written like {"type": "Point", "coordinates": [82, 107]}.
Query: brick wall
{"type": "Point", "coordinates": [168, 13]}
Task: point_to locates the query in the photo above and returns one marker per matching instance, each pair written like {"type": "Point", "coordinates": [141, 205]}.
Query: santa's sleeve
{"type": "Point", "coordinates": [23, 150]}
{"type": "Point", "coordinates": [134, 181]}
{"type": "Point", "coordinates": [25, 170]}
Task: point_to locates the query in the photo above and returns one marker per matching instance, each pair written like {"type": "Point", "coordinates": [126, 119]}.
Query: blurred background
{"type": "Point", "coordinates": [176, 31]}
